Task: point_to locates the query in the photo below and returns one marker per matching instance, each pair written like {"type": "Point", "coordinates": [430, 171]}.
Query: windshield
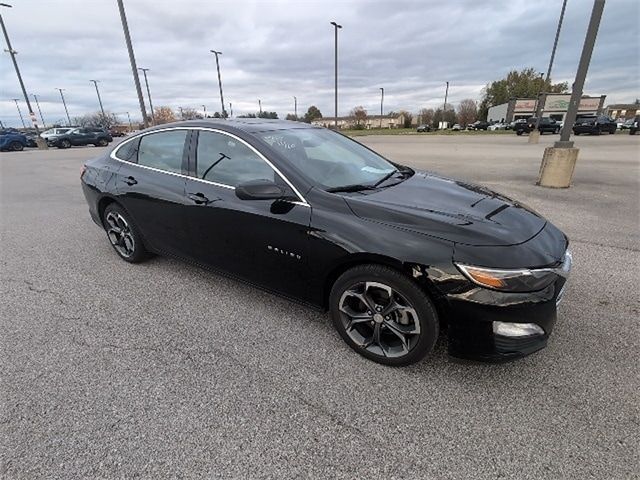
{"type": "Point", "coordinates": [328, 159]}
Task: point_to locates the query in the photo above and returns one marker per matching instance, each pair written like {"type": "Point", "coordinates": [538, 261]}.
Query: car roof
{"type": "Point", "coordinates": [249, 125]}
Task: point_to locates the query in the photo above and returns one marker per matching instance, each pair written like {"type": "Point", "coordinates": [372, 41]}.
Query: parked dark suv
{"type": "Point", "coordinates": [635, 126]}
{"type": "Point", "coordinates": [594, 124]}
{"type": "Point", "coordinates": [81, 136]}
{"type": "Point", "coordinates": [479, 125]}
{"type": "Point", "coordinates": [547, 125]}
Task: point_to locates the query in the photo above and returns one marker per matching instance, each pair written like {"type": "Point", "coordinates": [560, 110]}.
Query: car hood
{"type": "Point", "coordinates": [449, 209]}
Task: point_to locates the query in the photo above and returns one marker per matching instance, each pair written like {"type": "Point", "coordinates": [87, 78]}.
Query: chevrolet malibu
{"type": "Point", "coordinates": [394, 254]}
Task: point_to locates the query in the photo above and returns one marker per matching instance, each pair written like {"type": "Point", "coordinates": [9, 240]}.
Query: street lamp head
{"type": "Point", "coordinates": [143, 69]}
{"type": "Point", "coordinates": [6, 5]}
{"type": "Point", "coordinates": [215, 52]}
{"type": "Point", "coordinates": [336, 25]}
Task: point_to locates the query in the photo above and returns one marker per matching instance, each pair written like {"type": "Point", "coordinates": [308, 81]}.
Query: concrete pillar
{"type": "Point", "coordinates": [557, 167]}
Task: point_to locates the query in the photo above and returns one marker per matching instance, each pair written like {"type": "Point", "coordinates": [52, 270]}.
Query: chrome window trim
{"type": "Point", "coordinates": [303, 202]}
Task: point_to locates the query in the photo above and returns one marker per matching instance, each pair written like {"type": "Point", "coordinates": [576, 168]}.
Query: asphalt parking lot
{"type": "Point", "coordinates": [163, 370]}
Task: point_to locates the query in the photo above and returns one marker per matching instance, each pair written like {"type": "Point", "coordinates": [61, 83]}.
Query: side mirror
{"type": "Point", "coordinates": [260, 190]}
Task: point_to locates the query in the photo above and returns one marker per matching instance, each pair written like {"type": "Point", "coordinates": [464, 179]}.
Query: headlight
{"type": "Point", "coordinates": [521, 280]}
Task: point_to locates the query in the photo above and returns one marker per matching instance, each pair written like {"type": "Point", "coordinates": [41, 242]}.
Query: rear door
{"type": "Point", "coordinates": [263, 241]}
{"type": "Point", "coordinates": [151, 186]}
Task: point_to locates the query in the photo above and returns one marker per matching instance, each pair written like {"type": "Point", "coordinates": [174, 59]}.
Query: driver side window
{"type": "Point", "coordinates": [223, 159]}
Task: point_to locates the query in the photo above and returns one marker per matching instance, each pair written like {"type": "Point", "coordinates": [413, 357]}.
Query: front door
{"type": "Point", "coordinates": [263, 241]}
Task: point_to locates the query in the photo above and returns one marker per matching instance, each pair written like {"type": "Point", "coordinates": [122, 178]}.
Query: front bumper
{"type": "Point", "coordinates": [471, 325]}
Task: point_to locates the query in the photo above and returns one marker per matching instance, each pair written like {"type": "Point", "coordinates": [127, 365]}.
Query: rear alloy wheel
{"type": "Point", "coordinates": [64, 144]}
{"type": "Point", "coordinates": [16, 146]}
{"type": "Point", "coordinates": [102, 142]}
{"type": "Point", "coordinates": [383, 315]}
{"type": "Point", "coordinates": [123, 234]}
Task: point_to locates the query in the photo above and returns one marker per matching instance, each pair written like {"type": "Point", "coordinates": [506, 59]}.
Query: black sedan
{"type": "Point", "coordinates": [393, 254]}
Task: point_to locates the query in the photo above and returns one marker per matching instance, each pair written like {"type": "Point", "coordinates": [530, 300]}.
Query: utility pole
{"type": "Point", "coordinates": [132, 59]}
{"type": "Point", "coordinates": [336, 27]}
{"type": "Point", "coordinates": [95, 82]}
{"type": "Point", "coordinates": [44, 125]}
{"type": "Point", "coordinates": [260, 105]}
{"type": "Point", "coordinates": [230, 109]}
{"type": "Point", "coordinates": [204, 110]}
{"type": "Point", "coordinates": [146, 82]}
{"type": "Point", "coordinates": [223, 113]}
{"type": "Point", "coordinates": [381, 105]}
{"type": "Point", "coordinates": [42, 144]}
{"type": "Point", "coordinates": [65, 106]}
{"type": "Point", "coordinates": [130, 124]}
{"type": "Point", "coordinates": [19, 112]}
{"type": "Point", "coordinates": [534, 136]}
{"type": "Point", "coordinates": [540, 107]}
{"type": "Point", "coordinates": [559, 161]}
{"type": "Point", "coordinates": [181, 115]}
{"type": "Point", "coordinates": [295, 107]}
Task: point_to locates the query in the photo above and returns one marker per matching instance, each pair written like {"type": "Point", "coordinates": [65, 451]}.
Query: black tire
{"type": "Point", "coordinates": [127, 242]}
{"type": "Point", "coordinates": [102, 142]}
{"type": "Point", "coordinates": [64, 143]}
{"type": "Point", "coordinates": [556, 131]}
{"type": "Point", "coordinates": [413, 307]}
{"type": "Point", "coordinates": [519, 132]}
{"type": "Point", "coordinates": [16, 146]}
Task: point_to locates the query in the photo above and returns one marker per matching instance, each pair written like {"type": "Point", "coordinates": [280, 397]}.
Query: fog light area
{"type": "Point", "coordinates": [508, 329]}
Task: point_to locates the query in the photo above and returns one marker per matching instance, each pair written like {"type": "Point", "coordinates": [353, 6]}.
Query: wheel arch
{"type": "Point", "coordinates": [413, 271]}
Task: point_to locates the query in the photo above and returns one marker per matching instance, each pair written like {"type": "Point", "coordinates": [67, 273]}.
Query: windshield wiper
{"type": "Point", "coordinates": [356, 187]}
{"type": "Point", "coordinates": [386, 177]}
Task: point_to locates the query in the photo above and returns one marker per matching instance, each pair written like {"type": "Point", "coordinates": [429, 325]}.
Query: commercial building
{"type": "Point", "coordinates": [372, 121]}
{"type": "Point", "coordinates": [555, 105]}
{"type": "Point", "coordinates": [623, 111]}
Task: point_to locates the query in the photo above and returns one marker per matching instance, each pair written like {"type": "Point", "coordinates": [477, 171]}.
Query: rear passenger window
{"type": "Point", "coordinates": [127, 152]}
{"type": "Point", "coordinates": [223, 159]}
{"type": "Point", "coordinates": [163, 150]}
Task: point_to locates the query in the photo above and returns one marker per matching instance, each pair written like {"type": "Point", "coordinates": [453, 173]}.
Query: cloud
{"type": "Point", "coordinates": [273, 50]}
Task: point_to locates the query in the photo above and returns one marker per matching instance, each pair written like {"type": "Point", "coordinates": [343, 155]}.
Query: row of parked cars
{"type": "Point", "coordinates": [62, 137]}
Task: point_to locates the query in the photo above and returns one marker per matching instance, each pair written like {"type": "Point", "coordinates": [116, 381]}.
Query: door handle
{"type": "Point", "coordinates": [130, 181]}
{"type": "Point", "coordinates": [198, 198]}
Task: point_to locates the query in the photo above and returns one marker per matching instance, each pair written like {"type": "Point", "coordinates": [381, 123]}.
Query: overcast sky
{"type": "Point", "coordinates": [273, 50]}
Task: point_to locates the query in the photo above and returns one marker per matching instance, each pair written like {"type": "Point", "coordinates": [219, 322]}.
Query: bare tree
{"type": "Point", "coordinates": [188, 113]}
{"type": "Point", "coordinates": [425, 116]}
{"type": "Point", "coordinates": [467, 112]}
{"type": "Point", "coordinates": [96, 119]}
{"type": "Point", "coordinates": [164, 115]}
{"type": "Point", "coordinates": [359, 114]}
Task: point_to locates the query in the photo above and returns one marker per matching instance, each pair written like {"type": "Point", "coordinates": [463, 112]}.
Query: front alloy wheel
{"type": "Point", "coordinates": [379, 319]}
{"type": "Point", "coordinates": [383, 315]}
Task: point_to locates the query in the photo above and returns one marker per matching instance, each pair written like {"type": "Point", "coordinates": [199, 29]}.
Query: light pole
{"type": "Point", "coordinates": [42, 144]}
{"type": "Point", "coordinates": [146, 82]}
{"type": "Point", "coordinates": [132, 60]}
{"type": "Point", "coordinates": [181, 115]}
{"type": "Point", "coordinates": [65, 105]}
{"type": "Point", "coordinates": [260, 105]}
{"type": "Point", "coordinates": [35, 97]}
{"type": "Point", "coordinates": [295, 107]}
{"type": "Point", "coordinates": [534, 136]}
{"type": "Point", "coordinates": [336, 27]}
{"type": "Point", "coordinates": [230, 109]}
{"type": "Point", "coordinates": [539, 108]}
{"type": "Point", "coordinates": [130, 124]}
{"type": "Point", "coordinates": [559, 161]}
{"type": "Point", "coordinates": [95, 82]}
{"type": "Point", "coordinates": [204, 110]}
{"type": "Point", "coordinates": [223, 113]}
{"type": "Point", "coordinates": [19, 112]}
{"type": "Point", "coordinates": [381, 104]}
